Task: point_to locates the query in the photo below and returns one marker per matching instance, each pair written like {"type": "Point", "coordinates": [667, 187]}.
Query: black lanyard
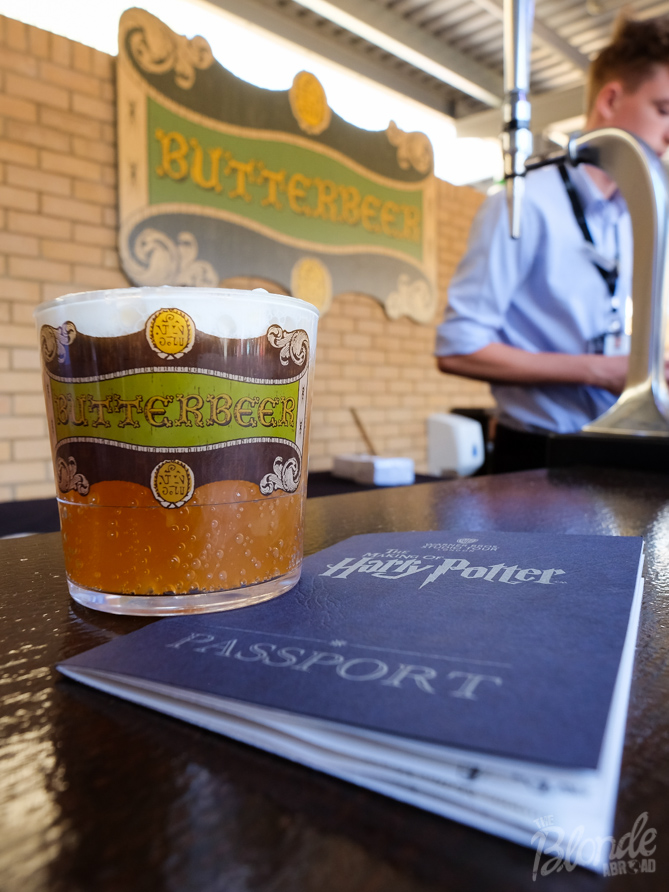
{"type": "Point", "coordinates": [610, 276]}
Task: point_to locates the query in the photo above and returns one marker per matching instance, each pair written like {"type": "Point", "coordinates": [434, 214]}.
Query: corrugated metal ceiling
{"type": "Point", "coordinates": [411, 45]}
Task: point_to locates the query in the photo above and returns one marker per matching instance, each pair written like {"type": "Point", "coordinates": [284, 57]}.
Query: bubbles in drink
{"type": "Point", "coordinates": [206, 554]}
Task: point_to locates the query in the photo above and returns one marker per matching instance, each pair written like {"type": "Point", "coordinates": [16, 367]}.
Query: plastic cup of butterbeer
{"type": "Point", "coordinates": [179, 424]}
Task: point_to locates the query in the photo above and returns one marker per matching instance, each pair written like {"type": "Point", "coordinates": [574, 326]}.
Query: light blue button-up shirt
{"type": "Point", "coordinates": [541, 293]}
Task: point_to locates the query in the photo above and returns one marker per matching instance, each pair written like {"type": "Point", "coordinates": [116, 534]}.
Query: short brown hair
{"type": "Point", "coordinates": [635, 49]}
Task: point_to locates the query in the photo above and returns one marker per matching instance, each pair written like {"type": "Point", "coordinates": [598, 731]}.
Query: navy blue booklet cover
{"type": "Point", "coordinates": [507, 644]}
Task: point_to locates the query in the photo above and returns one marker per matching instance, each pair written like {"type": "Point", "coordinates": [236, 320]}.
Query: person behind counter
{"type": "Point", "coordinates": [542, 317]}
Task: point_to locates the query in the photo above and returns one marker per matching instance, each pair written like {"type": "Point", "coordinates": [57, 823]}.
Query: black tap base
{"type": "Point", "coordinates": [628, 451]}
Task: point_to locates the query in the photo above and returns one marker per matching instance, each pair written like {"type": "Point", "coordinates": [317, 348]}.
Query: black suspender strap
{"type": "Point", "coordinates": [610, 276]}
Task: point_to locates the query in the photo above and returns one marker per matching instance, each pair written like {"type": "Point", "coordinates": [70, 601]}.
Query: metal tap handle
{"type": "Point", "coordinates": [516, 135]}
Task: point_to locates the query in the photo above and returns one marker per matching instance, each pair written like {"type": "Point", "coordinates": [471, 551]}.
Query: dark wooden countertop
{"type": "Point", "coordinates": [98, 795]}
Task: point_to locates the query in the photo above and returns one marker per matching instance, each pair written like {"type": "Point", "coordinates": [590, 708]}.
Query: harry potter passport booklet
{"type": "Point", "coordinates": [483, 676]}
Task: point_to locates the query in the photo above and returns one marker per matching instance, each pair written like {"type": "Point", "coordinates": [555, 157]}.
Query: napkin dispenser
{"type": "Point", "coordinates": [455, 445]}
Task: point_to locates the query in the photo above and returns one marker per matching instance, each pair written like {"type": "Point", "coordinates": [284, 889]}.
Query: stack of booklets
{"type": "Point", "coordinates": [483, 676]}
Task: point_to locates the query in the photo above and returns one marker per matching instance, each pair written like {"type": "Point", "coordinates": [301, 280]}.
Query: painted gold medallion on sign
{"type": "Point", "coordinates": [309, 103]}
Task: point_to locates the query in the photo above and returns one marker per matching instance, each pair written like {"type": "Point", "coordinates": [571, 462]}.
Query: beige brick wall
{"type": "Point", "coordinates": [57, 220]}
{"type": "Point", "coordinates": [58, 234]}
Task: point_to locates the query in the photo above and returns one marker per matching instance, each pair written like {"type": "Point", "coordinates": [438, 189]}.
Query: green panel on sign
{"type": "Point", "coordinates": [289, 188]}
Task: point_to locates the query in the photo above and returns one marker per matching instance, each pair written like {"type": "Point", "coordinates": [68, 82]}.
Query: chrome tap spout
{"type": "Point", "coordinates": [643, 406]}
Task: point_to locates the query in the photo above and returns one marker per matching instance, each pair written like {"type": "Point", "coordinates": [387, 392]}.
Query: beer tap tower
{"type": "Point", "coordinates": [641, 413]}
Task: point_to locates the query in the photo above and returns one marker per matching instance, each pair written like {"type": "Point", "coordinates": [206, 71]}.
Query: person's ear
{"type": "Point", "coordinates": [608, 101]}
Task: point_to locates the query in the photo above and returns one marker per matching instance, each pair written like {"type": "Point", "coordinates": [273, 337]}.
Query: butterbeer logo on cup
{"type": "Point", "coordinates": [171, 333]}
{"type": "Point", "coordinates": [172, 483]}
{"type": "Point", "coordinates": [184, 412]}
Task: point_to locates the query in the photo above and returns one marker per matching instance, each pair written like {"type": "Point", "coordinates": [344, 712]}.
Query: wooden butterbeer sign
{"type": "Point", "coordinates": [220, 180]}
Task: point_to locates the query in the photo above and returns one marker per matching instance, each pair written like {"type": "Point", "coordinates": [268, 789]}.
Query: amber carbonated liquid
{"type": "Point", "coordinates": [228, 536]}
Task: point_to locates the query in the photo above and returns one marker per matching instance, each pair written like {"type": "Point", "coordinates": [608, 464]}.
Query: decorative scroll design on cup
{"type": "Point", "coordinates": [413, 149]}
{"type": "Point", "coordinates": [413, 299]}
{"type": "Point", "coordinates": [294, 344]}
{"type": "Point", "coordinates": [68, 477]}
{"type": "Point", "coordinates": [157, 49]}
{"type": "Point", "coordinates": [54, 340]}
{"type": "Point", "coordinates": [285, 477]}
{"type": "Point", "coordinates": [158, 260]}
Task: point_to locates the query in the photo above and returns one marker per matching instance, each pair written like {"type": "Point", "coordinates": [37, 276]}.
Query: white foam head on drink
{"type": "Point", "coordinates": [222, 312]}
